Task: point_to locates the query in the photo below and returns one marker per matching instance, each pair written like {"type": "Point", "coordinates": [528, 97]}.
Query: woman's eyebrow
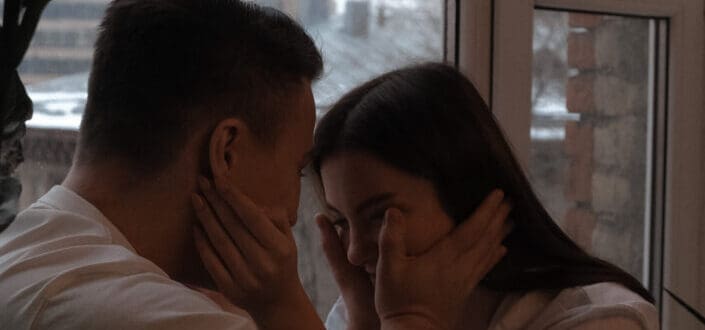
{"type": "Point", "coordinates": [331, 209]}
{"type": "Point", "coordinates": [373, 202]}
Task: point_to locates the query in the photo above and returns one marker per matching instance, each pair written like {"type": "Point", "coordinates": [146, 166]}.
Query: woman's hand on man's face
{"type": "Point", "coordinates": [353, 281]}
{"type": "Point", "coordinates": [431, 290]}
{"type": "Point", "coordinates": [251, 256]}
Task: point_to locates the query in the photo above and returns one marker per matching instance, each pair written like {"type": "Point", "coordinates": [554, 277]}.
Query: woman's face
{"type": "Point", "coordinates": [359, 188]}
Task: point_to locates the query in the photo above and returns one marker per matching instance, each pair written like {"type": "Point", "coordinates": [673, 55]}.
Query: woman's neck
{"type": "Point", "coordinates": [481, 308]}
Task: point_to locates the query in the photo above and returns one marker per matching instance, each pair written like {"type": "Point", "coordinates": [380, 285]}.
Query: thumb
{"type": "Point", "coordinates": [334, 251]}
{"type": "Point", "coordinates": [391, 237]}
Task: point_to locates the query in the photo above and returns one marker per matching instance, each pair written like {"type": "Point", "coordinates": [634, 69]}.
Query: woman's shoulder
{"type": "Point", "coordinates": [601, 306]}
{"type": "Point", "coordinates": [598, 303]}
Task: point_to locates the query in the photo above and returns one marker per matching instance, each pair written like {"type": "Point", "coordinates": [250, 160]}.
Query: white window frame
{"type": "Point", "coordinates": [495, 51]}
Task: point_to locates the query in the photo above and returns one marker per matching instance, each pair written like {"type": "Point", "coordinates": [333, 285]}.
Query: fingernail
{"type": "Point", "coordinates": [197, 201]}
{"type": "Point", "coordinates": [203, 182]}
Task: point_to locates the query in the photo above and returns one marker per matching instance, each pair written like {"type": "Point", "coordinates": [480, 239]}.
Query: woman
{"type": "Point", "coordinates": [421, 143]}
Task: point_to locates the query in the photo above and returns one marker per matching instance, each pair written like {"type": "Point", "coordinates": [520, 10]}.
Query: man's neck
{"type": "Point", "coordinates": [154, 214]}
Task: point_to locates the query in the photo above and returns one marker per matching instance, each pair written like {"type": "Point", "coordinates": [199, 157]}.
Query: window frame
{"type": "Point", "coordinates": [496, 54]}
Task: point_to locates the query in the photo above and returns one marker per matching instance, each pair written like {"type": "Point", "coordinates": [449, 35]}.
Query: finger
{"type": "Point", "coordinates": [241, 236]}
{"type": "Point", "coordinates": [224, 246]}
{"type": "Point", "coordinates": [251, 215]}
{"type": "Point", "coordinates": [480, 269]}
{"type": "Point", "coordinates": [493, 228]}
{"type": "Point", "coordinates": [488, 250]}
{"type": "Point", "coordinates": [497, 230]}
{"type": "Point", "coordinates": [493, 259]}
{"type": "Point", "coordinates": [497, 256]}
{"type": "Point", "coordinates": [343, 271]}
{"type": "Point", "coordinates": [473, 227]}
{"type": "Point", "coordinates": [490, 241]}
{"type": "Point", "coordinates": [218, 272]}
{"type": "Point", "coordinates": [507, 228]}
{"type": "Point", "coordinates": [281, 220]}
{"type": "Point", "coordinates": [391, 237]}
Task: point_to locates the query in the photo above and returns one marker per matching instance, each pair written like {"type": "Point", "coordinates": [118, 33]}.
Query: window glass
{"type": "Point", "coordinates": [55, 72]}
{"type": "Point", "coordinates": [590, 130]}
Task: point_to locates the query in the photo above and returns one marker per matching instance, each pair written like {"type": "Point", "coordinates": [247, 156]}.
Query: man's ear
{"type": "Point", "coordinates": [224, 145]}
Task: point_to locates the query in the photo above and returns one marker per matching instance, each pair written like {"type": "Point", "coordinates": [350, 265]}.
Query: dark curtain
{"type": "Point", "coordinates": [20, 20]}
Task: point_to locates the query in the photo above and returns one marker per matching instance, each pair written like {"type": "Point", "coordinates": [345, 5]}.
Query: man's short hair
{"type": "Point", "coordinates": [163, 68]}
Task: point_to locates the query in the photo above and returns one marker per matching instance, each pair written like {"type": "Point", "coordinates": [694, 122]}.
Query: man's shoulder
{"type": "Point", "coordinates": [42, 231]}
{"type": "Point", "coordinates": [59, 269]}
{"type": "Point", "coordinates": [62, 266]}
{"type": "Point", "coordinates": [48, 250]}
{"type": "Point", "coordinates": [120, 296]}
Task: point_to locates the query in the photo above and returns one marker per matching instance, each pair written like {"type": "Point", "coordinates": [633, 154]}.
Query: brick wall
{"type": "Point", "coordinates": [606, 148]}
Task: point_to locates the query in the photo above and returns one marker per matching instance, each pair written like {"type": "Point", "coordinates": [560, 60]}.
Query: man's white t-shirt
{"type": "Point", "coordinates": [63, 265]}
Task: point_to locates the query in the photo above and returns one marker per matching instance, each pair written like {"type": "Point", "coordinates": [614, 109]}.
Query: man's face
{"type": "Point", "coordinates": [270, 175]}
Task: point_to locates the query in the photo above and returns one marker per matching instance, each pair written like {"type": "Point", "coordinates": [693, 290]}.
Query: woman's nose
{"type": "Point", "coordinates": [362, 248]}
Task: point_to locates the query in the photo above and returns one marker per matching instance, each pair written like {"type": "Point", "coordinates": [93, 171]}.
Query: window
{"type": "Point", "coordinates": [592, 106]}
{"type": "Point", "coordinates": [55, 72]}
{"type": "Point", "coordinates": [602, 101]}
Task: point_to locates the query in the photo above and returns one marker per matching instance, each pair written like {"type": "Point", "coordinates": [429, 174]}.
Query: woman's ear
{"type": "Point", "coordinates": [224, 146]}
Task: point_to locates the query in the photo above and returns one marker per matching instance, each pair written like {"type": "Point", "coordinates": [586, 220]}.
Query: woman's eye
{"type": "Point", "coordinates": [340, 225]}
{"type": "Point", "coordinates": [378, 217]}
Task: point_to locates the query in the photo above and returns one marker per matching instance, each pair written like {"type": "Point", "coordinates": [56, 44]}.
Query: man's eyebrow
{"type": "Point", "coordinates": [373, 201]}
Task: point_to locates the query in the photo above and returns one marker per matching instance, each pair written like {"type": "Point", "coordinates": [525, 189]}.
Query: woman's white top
{"type": "Point", "coordinates": [601, 306]}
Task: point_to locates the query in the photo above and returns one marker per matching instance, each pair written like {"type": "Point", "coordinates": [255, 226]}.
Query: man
{"type": "Point", "coordinates": [176, 88]}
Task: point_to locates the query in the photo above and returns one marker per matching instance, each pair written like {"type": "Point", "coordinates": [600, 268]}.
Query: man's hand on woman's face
{"type": "Point", "coordinates": [251, 255]}
{"type": "Point", "coordinates": [431, 290]}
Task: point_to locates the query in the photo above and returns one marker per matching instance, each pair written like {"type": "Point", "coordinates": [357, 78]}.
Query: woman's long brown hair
{"type": "Point", "coordinates": [430, 121]}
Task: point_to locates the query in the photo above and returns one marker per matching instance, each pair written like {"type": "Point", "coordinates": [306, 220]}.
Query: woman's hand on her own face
{"type": "Point", "coordinates": [429, 291]}
{"type": "Point", "coordinates": [353, 281]}
{"type": "Point", "coordinates": [251, 256]}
